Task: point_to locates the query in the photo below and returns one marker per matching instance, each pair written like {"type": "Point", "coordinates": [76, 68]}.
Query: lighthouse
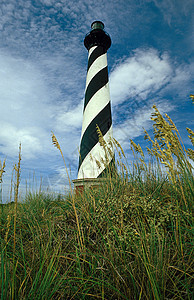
{"type": "Point", "coordinates": [96, 157]}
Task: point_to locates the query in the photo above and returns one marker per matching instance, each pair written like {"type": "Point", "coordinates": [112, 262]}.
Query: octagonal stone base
{"type": "Point", "coordinates": [87, 183]}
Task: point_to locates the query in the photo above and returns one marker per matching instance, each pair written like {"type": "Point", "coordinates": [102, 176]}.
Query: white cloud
{"type": "Point", "coordinates": [145, 74]}
{"type": "Point", "coordinates": [180, 81]}
{"type": "Point", "coordinates": [137, 79]}
{"type": "Point", "coordinates": [11, 137]}
{"type": "Point", "coordinates": [33, 103]}
{"type": "Point", "coordinates": [70, 119]}
{"type": "Point", "coordinates": [25, 108]}
{"type": "Point", "coordinates": [139, 75]}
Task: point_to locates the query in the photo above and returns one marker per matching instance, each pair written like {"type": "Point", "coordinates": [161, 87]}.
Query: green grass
{"type": "Point", "coordinates": [132, 238]}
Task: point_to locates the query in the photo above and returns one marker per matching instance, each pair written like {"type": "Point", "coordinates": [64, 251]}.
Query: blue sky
{"type": "Point", "coordinates": [43, 65]}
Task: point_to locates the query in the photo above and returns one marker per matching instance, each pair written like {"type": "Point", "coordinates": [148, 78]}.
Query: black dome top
{"type": "Point", "coordinates": [97, 36]}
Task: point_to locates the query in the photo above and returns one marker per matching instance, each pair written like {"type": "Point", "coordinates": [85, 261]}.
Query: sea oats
{"type": "Point", "coordinates": [104, 162]}
{"type": "Point", "coordinates": [2, 170]}
{"type": "Point", "coordinates": [172, 123]}
{"type": "Point", "coordinates": [98, 163]}
{"type": "Point", "coordinates": [119, 146]}
{"type": "Point", "coordinates": [150, 152]}
{"type": "Point", "coordinates": [163, 130]}
{"type": "Point", "coordinates": [110, 151]}
{"type": "Point", "coordinates": [132, 149]}
{"type": "Point", "coordinates": [155, 146]}
{"type": "Point", "coordinates": [143, 162]}
{"type": "Point", "coordinates": [110, 142]}
{"type": "Point", "coordinates": [191, 136]}
{"type": "Point", "coordinates": [56, 144]}
{"type": "Point", "coordinates": [120, 154]}
{"type": "Point", "coordinates": [91, 157]}
{"type": "Point", "coordinates": [100, 137]}
{"type": "Point", "coordinates": [107, 146]}
{"type": "Point", "coordinates": [147, 137]}
{"type": "Point", "coordinates": [125, 168]}
{"type": "Point", "coordinates": [168, 147]}
{"type": "Point", "coordinates": [192, 97]}
{"type": "Point", "coordinates": [8, 228]}
{"type": "Point", "coordinates": [137, 148]}
{"type": "Point", "coordinates": [190, 153]}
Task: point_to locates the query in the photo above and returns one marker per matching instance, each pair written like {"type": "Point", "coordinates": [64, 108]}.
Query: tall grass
{"type": "Point", "coordinates": [129, 239]}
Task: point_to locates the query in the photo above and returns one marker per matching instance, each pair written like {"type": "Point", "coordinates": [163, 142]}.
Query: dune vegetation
{"type": "Point", "coordinates": [130, 238]}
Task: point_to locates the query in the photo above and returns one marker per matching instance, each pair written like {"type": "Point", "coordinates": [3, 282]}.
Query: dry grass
{"type": "Point", "coordinates": [2, 170]}
{"type": "Point", "coordinates": [129, 239]}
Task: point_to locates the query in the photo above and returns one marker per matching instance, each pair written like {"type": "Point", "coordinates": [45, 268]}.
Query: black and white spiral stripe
{"type": "Point", "coordinates": [97, 111]}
